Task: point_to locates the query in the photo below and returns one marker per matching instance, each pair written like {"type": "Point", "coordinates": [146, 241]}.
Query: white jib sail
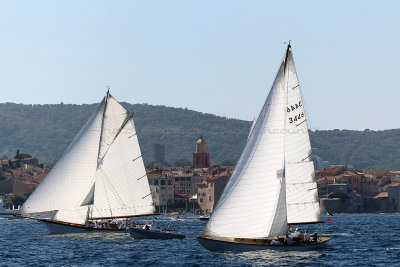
{"type": "Point", "coordinates": [301, 188]}
{"type": "Point", "coordinates": [253, 204]}
{"type": "Point", "coordinates": [121, 184]}
{"type": "Point", "coordinates": [72, 177]}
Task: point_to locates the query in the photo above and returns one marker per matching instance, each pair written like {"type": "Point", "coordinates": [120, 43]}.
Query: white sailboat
{"type": "Point", "coordinates": [273, 184]}
{"type": "Point", "coordinates": [101, 176]}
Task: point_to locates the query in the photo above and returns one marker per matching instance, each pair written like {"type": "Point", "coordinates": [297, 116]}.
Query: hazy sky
{"type": "Point", "coordinates": [216, 57]}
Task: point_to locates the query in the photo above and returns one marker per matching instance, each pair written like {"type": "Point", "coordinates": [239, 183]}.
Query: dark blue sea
{"type": "Point", "coordinates": [359, 239]}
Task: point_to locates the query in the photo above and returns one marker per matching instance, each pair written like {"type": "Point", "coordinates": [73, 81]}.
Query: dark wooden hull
{"type": "Point", "coordinates": [57, 227]}
{"type": "Point", "coordinates": [139, 233]}
{"type": "Point", "coordinates": [244, 244]}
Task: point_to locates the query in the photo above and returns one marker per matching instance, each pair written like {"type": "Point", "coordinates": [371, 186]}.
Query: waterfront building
{"type": "Point", "coordinates": [210, 191]}
{"type": "Point", "coordinates": [185, 184]}
{"type": "Point", "coordinates": [201, 159]}
{"type": "Point", "coordinates": [162, 190]}
{"type": "Point", "coordinates": [394, 196]}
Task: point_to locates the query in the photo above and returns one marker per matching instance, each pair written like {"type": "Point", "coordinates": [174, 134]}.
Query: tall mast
{"type": "Point", "coordinates": [102, 121]}
{"type": "Point", "coordinates": [286, 57]}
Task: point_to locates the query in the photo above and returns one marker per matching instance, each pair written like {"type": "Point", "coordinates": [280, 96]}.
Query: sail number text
{"type": "Point", "coordinates": [296, 117]}
{"type": "Point", "coordinates": [296, 106]}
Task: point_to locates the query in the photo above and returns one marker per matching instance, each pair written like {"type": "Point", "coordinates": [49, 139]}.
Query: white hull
{"type": "Point", "coordinates": [218, 245]}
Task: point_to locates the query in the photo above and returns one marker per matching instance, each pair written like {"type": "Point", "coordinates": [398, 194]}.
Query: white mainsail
{"type": "Point", "coordinates": [301, 188]}
{"type": "Point", "coordinates": [101, 175]}
{"type": "Point", "coordinates": [274, 179]}
{"type": "Point", "coordinates": [122, 188]}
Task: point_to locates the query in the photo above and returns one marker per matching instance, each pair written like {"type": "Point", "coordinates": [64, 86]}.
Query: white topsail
{"type": "Point", "coordinates": [100, 175]}
{"type": "Point", "coordinates": [273, 182]}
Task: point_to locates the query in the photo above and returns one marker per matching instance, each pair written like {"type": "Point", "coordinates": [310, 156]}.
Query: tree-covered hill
{"type": "Point", "coordinates": [46, 130]}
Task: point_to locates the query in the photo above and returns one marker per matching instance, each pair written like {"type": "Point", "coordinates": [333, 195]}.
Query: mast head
{"type": "Point", "coordinates": [288, 44]}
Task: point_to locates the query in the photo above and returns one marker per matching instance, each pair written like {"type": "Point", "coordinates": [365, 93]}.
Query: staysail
{"type": "Point", "coordinates": [101, 175]}
{"type": "Point", "coordinates": [273, 182]}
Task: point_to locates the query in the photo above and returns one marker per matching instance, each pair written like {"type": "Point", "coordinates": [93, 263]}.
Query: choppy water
{"type": "Point", "coordinates": [359, 239]}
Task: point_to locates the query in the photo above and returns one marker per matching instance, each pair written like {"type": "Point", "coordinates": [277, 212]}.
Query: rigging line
{"type": "Point", "coordinates": [126, 174]}
{"type": "Point", "coordinates": [142, 177]}
{"type": "Point", "coordinates": [102, 120]}
{"type": "Point", "coordinates": [108, 201]}
{"type": "Point", "coordinates": [301, 161]}
{"type": "Point", "coordinates": [113, 190]}
{"type": "Point", "coordinates": [146, 195]}
{"type": "Point", "coordinates": [298, 203]}
{"type": "Point", "coordinates": [137, 158]}
{"type": "Point", "coordinates": [94, 207]}
{"type": "Point", "coordinates": [301, 122]}
{"type": "Point", "coordinates": [301, 183]}
{"type": "Point", "coordinates": [119, 131]}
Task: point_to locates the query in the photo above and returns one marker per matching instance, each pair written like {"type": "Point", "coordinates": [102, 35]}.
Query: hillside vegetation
{"type": "Point", "coordinates": [46, 130]}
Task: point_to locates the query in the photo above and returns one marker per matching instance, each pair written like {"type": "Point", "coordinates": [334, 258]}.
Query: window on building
{"type": "Point", "coordinates": [169, 182]}
{"type": "Point", "coordinates": [155, 182]}
{"type": "Point", "coordinates": [209, 198]}
{"type": "Point", "coordinates": [162, 182]}
{"type": "Point", "coordinates": [201, 200]}
{"type": "Point", "coordinates": [187, 178]}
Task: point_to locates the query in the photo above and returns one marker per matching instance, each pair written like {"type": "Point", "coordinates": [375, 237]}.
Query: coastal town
{"type": "Point", "coordinates": [197, 188]}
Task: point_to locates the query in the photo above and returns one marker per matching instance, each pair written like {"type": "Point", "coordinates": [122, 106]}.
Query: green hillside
{"type": "Point", "coordinates": [46, 130]}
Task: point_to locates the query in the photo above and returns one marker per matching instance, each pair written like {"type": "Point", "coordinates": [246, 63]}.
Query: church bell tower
{"type": "Point", "coordinates": [201, 159]}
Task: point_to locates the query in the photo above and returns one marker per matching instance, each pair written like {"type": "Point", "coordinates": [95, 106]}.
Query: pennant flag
{"type": "Point", "coordinates": [329, 220]}
{"type": "Point", "coordinates": [327, 213]}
